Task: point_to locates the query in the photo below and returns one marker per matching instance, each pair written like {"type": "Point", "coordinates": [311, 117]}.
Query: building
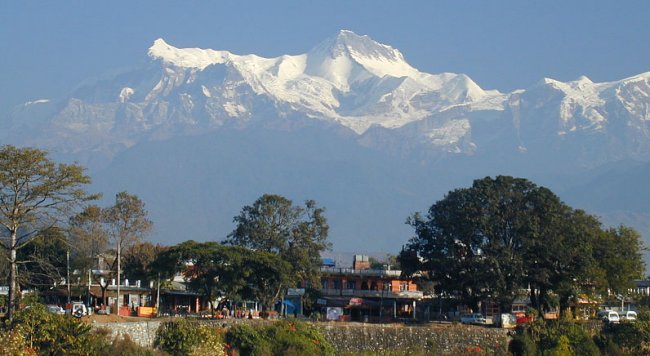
{"type": "Point", "coordinates": [364, 294]}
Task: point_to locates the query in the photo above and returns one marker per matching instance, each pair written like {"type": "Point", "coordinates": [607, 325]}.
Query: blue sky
{"type": "Point", "coordinates": [47, 47]}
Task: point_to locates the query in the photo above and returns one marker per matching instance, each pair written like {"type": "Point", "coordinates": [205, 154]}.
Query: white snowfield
{"type": "Point", "coordinates": [357, 82]}
{"type": "Point", "coordinates": [348, 78]}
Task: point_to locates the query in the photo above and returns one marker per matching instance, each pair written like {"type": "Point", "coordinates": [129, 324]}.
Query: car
{"type": "Point", "coordinates": [78, 309]}
{"type": "Point", "coordinates": [629, 315]}
{"type": "Point", "coordinates": [55, 309]}
{"type": "Point", "coordinates": [475, 318]}
{"type": "Point", "coordinates": [609, 316]}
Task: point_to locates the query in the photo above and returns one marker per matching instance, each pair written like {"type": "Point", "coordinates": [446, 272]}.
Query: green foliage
{"type": "Point", "coordinates": [44, 259]}
{"type": "Point", "coordinates": [297, 234]}
{"type": "Point", "coordinates": [504, 234]}
{"type": "Point", "coordinates": [50, 334]}
{"type": "Point", "coordinates": [138, 260]}
{"type": "Point", "coordinates": [248, 340]}
{"type": "Point", "coordinates": [278, 338]}
{"type": "Point", "coordinates": [298, 338]}
{"type": "Point", "coordinates": [522, 344]}
{"type": "Point", "coordinates": [549, 337]}
{"type": "Point", "coordinates": [630, 337]}
{"type": "Point", "coordinates": [216, 270]}
{"type": "Point", "coordinates": [35, 193]}
{"type": "Point", "coordinates": [183, 337]}
{"type": "Point", "coordinates": [14, 343]}
{"type": "Point", "coordinates": [619, 252]}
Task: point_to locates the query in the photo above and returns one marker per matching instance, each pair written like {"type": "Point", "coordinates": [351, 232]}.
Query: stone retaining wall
{"type": "Point", "coordinates": [356, 337]}
{"type": "Point", "coordinates": [142, 333]}
{"type": "Point", "coordinates": [452, 339]}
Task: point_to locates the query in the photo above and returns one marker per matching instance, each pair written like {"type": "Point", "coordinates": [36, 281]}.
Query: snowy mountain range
{"type": "Point", "coordinates": [368, 119]}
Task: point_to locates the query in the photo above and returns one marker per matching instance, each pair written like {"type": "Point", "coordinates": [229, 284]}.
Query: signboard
{"type": "Point", "coordinates": [321, 301]}
{"type": "Point", "coordinates": [333, 313]}
{"type": "Point", "coordinates": [296, 291]}
{"type": "Point", "coordinates": [355, 301]}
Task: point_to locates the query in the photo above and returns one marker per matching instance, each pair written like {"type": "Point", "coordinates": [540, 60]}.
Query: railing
{"type": "Point", "coordinates": [371, 293]}
{"type": "Point", "coordinates": [361, 272]}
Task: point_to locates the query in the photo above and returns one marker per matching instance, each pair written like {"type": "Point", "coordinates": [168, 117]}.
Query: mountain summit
{"type": "Point", "coordinates": [198, 133]}
{"type": "Point", "coordinates": [349, 81]}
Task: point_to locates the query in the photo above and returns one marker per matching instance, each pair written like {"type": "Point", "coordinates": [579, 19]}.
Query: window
{"type": "Point", "coordinates": [336, 284]}
{"type": "Point", "coordinates": [351, 285]}
{"type": "Point", "coordinates": [324, 283]}
{"type": "Point", "coordinates": [404, 286]}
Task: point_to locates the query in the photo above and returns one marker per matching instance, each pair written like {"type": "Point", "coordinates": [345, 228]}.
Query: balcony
{"type": "Point", "coordinates": [371, 293]}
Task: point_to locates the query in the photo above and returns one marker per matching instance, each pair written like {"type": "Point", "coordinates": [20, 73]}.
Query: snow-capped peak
{"type": "Point", "coordinates": [187, 57]}
{"type": "Point", "coordinates": [339, 53]}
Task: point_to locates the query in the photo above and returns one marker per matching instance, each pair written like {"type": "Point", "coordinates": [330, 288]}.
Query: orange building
{"type": "Point", "coordinates": [365, 294]}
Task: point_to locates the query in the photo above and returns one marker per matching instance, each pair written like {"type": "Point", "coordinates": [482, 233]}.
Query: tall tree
{"type": "Point", "coordinates": [43, 261]}
{"type": "Point", "coordinates": [619, 252]}
{"type": "Point", "coordinates": [35, 193]}
{"type": "Point", "coordinates": [139, 259]}
{"type": "Point", "coordinates": [268, 277]}
{"type": "Point", "coordinates": [87, 240]}
{"type": "Point", "coordinates": [127, 224]}
{"type": "Point", "coordinates": [210, 268]}
{"type": "Point", "coordinates": [505, 234]}
{"type": "Point", "coordinates": [296, 234]}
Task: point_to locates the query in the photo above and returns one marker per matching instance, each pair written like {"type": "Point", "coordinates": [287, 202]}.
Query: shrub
{"type": "Point", "coordinates": [53, 334]}
{"type": "Point", "coordinates": [247, 340]}
{"type": "Point", "coordinates": [13, 343]}
{"type": "Point", "coordinates": [182, 337]}
{"type": "Point", "coordinates": [298, 338]}
{"type": "Point", "coordinates": [278, 338]}
{"type": "Point", "coordinates": [553, 337]}
{"type": "Point", "coordinates": [522, 344]}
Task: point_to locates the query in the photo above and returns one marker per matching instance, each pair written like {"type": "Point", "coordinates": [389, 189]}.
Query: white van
{"type": "Point", "coordinates": [609, 316]}
{"type": "Point", "coordinates": [475, 318]}
{"type": "Point", "coordinates": [629, 315]}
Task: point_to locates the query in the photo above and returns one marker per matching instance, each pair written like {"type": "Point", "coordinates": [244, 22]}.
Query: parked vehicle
{"type": "Point", "coordinates": [506, 321]}
{"type": "Point", "coordinates": [476, 318]}
{"type": "Point", "coordinates": [609, 316]}
{"type": "Point", "coordinates": [78, 309]}
{"type": "Point", "coordinates": [55, 309]}
{"type": "Point", "coordinates": [523, 318]}
{"type": "Point", "coordinates": [629, 315]}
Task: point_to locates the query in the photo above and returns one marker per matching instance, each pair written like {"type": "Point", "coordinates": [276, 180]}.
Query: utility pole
{"type": "Point", "coordinates": [89, 281]}
{"type": "Point", "coordinates": [67, 280]}
{"type": "Point", "coordinates": [158, 296]}
{"type": "Point", "coordinates": [117, 301]}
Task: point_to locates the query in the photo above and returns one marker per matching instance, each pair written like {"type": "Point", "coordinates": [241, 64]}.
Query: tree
{"type": "Point", "coordinates": [296, 234]}
{"type": "Point", "coordinates": [43, 261]}
{"type": "Point", "coordinates": [88, 237]}
{"type": "Point", "coordinates": [268, 277]}
{"type": "Point", "coordinates": [139, 259]}
{"type": "Point", "coordinates": [127, 224]}
{"type": "Point", "coordinates": [504, 234]}
{"type": "Point", "coordinates": [35, 193]}
{"type": "Point", "coordinates": [619, 253]}
{"type": "Point", "coordinates": [209, 268]}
